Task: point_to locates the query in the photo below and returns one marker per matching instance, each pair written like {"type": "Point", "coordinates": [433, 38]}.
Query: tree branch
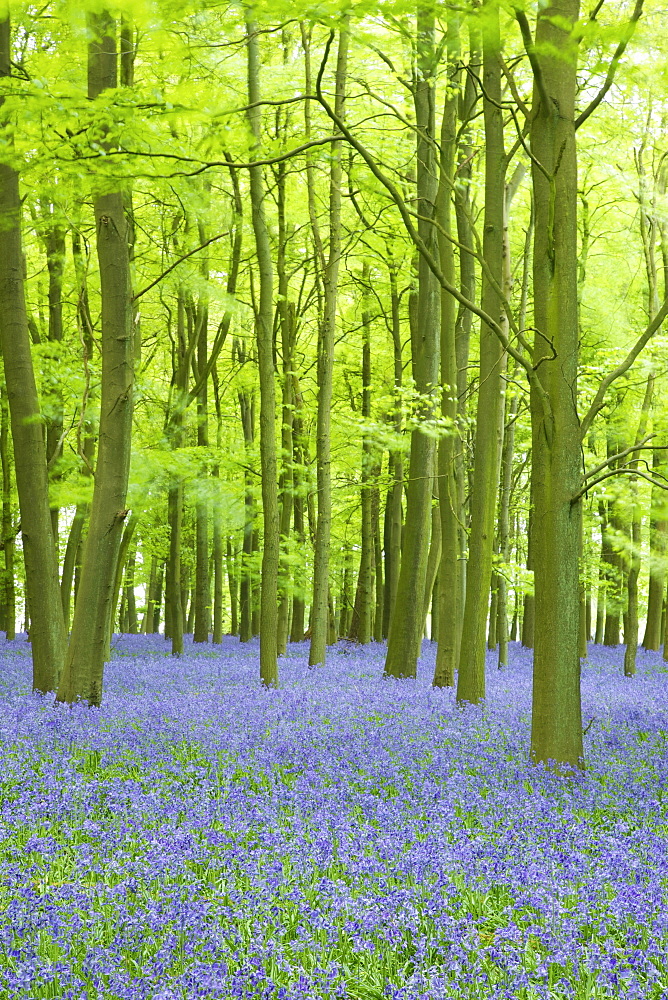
{"type": "Point", "coordinates": [533, 58]}
{"type": "Point", "coordinates": [621, 369]}
{"type": "Point", "coordinates": [176, 264]}
{"type": "Point", "coordinates": [627, 470]}
{"type": "Point", "coordinates": [614, 62]}
{"type": "Point", "coordinates": [419, 243]}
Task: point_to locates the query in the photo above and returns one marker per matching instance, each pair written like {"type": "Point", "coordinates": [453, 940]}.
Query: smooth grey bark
{"type": "Point", "coordinates": [47, 631]}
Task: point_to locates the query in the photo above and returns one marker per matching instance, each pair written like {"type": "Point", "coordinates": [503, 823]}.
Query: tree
{"type": "Point", "coordinates": [84, 663]}
{"type": "Point", "coordinates": [42, 589]}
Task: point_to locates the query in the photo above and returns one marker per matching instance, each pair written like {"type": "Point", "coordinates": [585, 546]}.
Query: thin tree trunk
{"type": "Point", "coordinates": [298, 588]}
{"type": "Point", "coordinates": [448, 589]}
{"type": "Point", "coordinates": [658, 535]}
{"type": "Point", "coordinates": [631, 628]}
{"type": "Point", "coordinates": [147, 621]}
{"type": "Point", "coordinates": [407, 622]}
{"type": "Point", "coordinates": [47, 630]}
{"type": "Point", "coordinates": [489, 412]}
{"type": "Point", "coordinates": [117, 588]}
{"type": "Point", "coordinates": [130, 602]}
{"type": "Point", "coordinates": [330, 277]}
{"type": "Point", "coordinates": [287, 325]}
{"type": "Point", "coordinates": [378, 561]}
{"type": "Point", "coordinates": [393, 510]}
{"type": "Point", "coordinates": [231, 562]}
{"type": "Point", "coordinates": [361, 630]}
{"type": "Point", "coordinates": [202, 623]}
{"type": "Point", "coordinates": [265, 347]}
{"type": "Point", "coordinates": [529, 600]}
{"type": "Point", "coordinates": [468, 108]}
{"type": "Point", "coordinates": [8, 533]}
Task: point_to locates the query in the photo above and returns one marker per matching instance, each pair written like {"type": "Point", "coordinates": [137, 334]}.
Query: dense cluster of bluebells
{"type": "Point", "coordinates": [343, 836]}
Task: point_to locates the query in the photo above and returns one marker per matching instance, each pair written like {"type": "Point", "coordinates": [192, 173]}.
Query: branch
{"type": "Point", "coordinates": [621, 369]}
{"type": "Point", "coordinates": [533, 58]}
{"type": "Point", "coordinates": [206, 165]}
{"type": "Point", "coordinates": [507, 72]}
{"type": "Point", "coordinates": [623, 454]}
{"type": "Point", "coordinates": [176, 264]}
{"type": "Point", "coordinates": [421, 246]}
{"type": "Point", "coordinates": [614, 62]}
{"type": "Point", "coordinates": [628, 471]}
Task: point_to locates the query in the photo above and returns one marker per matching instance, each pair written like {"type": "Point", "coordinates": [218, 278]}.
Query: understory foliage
{"type": "Point", "coordinates": [343, 836]}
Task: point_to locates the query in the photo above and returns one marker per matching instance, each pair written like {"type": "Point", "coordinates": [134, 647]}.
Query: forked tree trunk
{"type": "Point", "coordinates": [84, 664]}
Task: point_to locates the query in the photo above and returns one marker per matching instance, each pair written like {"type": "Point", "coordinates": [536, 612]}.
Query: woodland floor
{"type": "Point", "coordinates": [342, 836]}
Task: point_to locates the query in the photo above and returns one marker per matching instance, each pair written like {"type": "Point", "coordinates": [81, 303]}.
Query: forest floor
{"type": "Point", "coordinates": [343, 836]}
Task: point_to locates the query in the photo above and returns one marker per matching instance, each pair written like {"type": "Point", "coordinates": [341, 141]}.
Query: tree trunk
{"type": "Point", "coordinates": [604, 560]}
{"type": "Point", "coordinates": [130, 603]}
{"type": "Point", "coordinates": [407, 622]}
{"type": "Point", "coordinates": [202, 623]}
{"type": "Point", "coordinates": [319, 609]}
{"type": "Point", "coordinates": [556, 728]}
{"type": "Point", "coordinates": [529, 601]}
{"type": "Point", "coordinates": [464, 209]}
{"type": "Point", "coordinates": [361, 630]}
{"type": "Point", "coordinates": [265, 355]}
{"type": "Point", "coordinates": [393, 509]}
{"type": "Point", "coordinates": [8, 533]}
{"type": "Point", "coordinates": [117, 587]}
{"type": "Point", "coordinates": [231, 561]}
{"type": "Point", "coordinates": [448, 590]}
{"type": "Point", "coordinates": [378, 560]}
{"type": "Point", "coordinates": [658, 534]}
{"type": "Point", "coordinates": [631, 629]}
{"type": "Point", "coordinates": [47, 631]}
{"type": "Point", "coordinates": [489, 411]}
{"type": "Point", "coordinates": [508, 447]}
{"type": "Point", "coordinates": [288, 325]}
{"type": "Point", "coordinates": [84, 664]}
